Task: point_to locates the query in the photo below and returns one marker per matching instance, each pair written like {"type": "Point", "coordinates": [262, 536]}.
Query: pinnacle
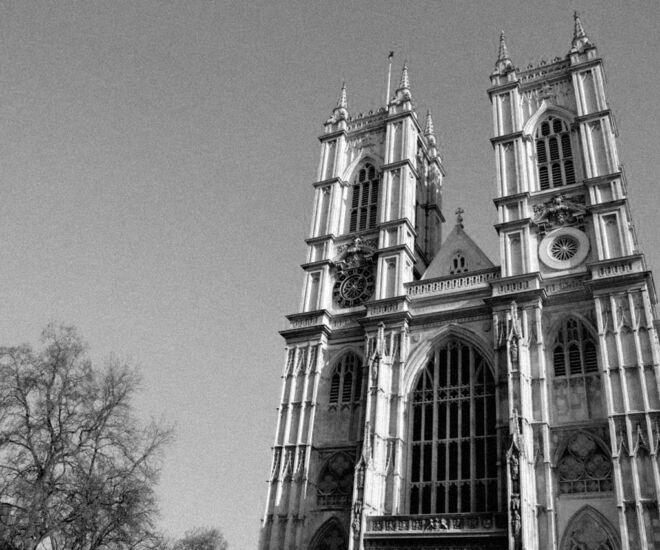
{"type": "Point", "coordinates": [405, 81]}
{"type": "Point", "coordinates": [340, 112]}
{"type": "Point", "coordinates": [503, 52]}
{"type": "Point", "coordinates": [579, 29]}
{"type": "Point", "coordinates": [503, 63]}
{"type": "Point", "coordinates": [342, 103]}
{"type": "Point", "coordinates": [580, 38]}
{"type": "Point", "coordinates": [429, 130]}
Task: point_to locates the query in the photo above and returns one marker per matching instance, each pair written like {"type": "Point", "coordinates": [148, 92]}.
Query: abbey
{"type": "Point", "coordinates": [434, 400]}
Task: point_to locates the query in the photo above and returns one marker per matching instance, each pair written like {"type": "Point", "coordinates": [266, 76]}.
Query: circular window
{"type": "Point", "coordinates": [564, 248]}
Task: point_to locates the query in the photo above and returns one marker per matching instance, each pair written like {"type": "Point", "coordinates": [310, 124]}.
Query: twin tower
{"type": "Point", "coordinates": [434, 400]}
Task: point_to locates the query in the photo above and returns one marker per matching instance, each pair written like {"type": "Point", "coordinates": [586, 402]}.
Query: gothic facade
{"type": "Point", "coordinates": [434, 400]}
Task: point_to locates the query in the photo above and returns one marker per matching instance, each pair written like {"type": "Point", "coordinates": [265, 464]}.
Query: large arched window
{"type": "Point", "coordinates": [453, 453]}
{"type": "Point", "coordinates": [577, 387]}
{"type": "Point", "coordinates": [554, 154]}
{"type": "Point", "coordinates": [364, 202]}
{"type": "Point", "coordinates": [346, 382]}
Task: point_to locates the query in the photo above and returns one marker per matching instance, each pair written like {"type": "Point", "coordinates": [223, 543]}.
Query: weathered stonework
{"type": "Point", "coordinates": [434, 400]}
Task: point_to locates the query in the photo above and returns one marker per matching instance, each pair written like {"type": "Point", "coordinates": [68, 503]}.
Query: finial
{"type": "Point", "coordinates": [580, 38]}
{"type": "Point", "coordinates": [503, 63]}
{"type": "Point", "coordinates": [340, 112]}
{"type": "Point", "coordinates": [459, 217]}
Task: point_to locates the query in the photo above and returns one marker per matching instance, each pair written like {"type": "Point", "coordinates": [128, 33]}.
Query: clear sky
{"type": "Point", "coordinates": [156, 162]}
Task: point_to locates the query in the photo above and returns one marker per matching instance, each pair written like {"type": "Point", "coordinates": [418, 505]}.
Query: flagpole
{"type": "Point", "coordinates": [389, 77]}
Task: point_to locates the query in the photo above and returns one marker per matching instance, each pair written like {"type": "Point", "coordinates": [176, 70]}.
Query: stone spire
{"type": "Point", "coordinates": [340, 112]}
{"type": "Point", "coordinates": [503, 63]}
{"type": "Point", "coordinates": [429, 134]}
{"type": "Point", "coordinates": [405, 81]}
{"type": "Point", "coordinates": [580, 38]}
{"type": "Point", "coordinates": [429, 130]}
{"type": "Point", "coordinates": [402, 93]}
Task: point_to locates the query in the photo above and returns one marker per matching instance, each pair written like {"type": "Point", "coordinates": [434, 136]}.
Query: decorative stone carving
{"type": "Point", "coordinates": [560, 211]}
{"type": "Point", "coordinates": [355, 279]}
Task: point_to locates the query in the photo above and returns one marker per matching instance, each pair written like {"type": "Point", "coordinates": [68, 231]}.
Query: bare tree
{"type": "Point", "coordinates": [201, 538]}
{"type": "Point", "coordinates": [75, 464]}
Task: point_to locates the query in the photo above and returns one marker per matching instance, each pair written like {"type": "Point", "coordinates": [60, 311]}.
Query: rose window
{"type": "Point", "coordinates": [564, 248]}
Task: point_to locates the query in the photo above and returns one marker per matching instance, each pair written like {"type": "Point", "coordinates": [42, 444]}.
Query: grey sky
{"type": "Point", "coordinates": [156, 161]}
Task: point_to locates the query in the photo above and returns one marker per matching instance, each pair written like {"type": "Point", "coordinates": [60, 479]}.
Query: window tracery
{"type": "Point", "coordinates": [584, 467]}
{"type": "Point", "coordinates": [453, 454]}
{"type": "Point", "coordinates": [346, 382]}
{"type": "Point", "coordinates": [589, 530]}
{"type": "Point", "coordinates": [364, 201]}
{"type": "Point", "coordinates": [554, 154]}
{"type": "Point", "coordinates": [335, 484]}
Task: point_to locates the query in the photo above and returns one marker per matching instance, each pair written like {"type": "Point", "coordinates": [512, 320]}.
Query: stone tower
{"type": "Point", "coordinates": [432, 399]}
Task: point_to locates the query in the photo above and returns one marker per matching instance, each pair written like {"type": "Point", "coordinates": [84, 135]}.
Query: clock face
{"type": "Point", "coordinates": [353, 287]}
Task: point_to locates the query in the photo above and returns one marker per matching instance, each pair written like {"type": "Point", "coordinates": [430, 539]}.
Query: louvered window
{"type": "Point", "coordinates": [574, 352]}
{"type": "Point", "coordinates": [554, 155]}
{"type": "Point", "coordinates": [364, 201]}
{"type": "Point", "coordinates": [346, 381]}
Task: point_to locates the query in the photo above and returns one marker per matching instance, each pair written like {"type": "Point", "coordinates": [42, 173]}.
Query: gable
{"type": "Point", "coordinates": [458, 254]}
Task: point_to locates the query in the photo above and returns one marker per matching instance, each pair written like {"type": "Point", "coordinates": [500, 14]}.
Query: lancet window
{"type": "Point", "coordinates": [364, 202]}
{"type": "Point", "coordinates": [346, 382]}
{"type": "Point", "coordinates": [453, 450]}
{"type": "Point", "coordinates": [554, 154]}
{"type": "Point", "coordinates": [458, 264]}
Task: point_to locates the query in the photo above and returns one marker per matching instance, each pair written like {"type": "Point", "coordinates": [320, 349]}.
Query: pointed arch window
{"type": "Point", "coordinates": [554, 154]}
{"type": "Point", "coordinates": [453, 449]}
{"type": "Point", "coordinates": [364, 201]}
{"type": "Point", "coordinates": [346, 381]}
{"type": "Point", "coordinates": [577, 385]}
{"type": "Point", "coordinates": [589, 529]}
{"type": "Point", "coordinates": [331, 536]}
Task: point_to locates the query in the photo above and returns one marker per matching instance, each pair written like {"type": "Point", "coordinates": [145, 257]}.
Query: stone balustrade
{"type": "Point", "coordinates": [469, 523]}
{"type": "Point", "coordinates": [435, 287]}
